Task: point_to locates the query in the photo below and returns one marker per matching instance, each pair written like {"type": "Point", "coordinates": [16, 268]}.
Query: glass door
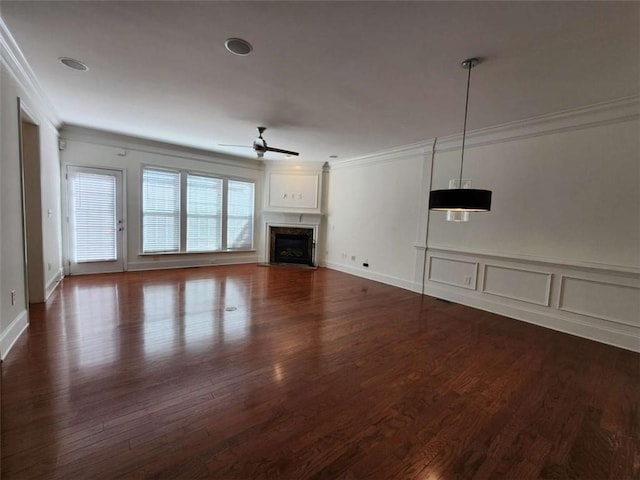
{"type": "Point", "coordinates": [96, 223]}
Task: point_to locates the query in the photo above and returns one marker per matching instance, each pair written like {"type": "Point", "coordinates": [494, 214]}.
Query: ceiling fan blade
{"type": "Point", "coordinates": [230, 145]}
{"type": "Point", "coordinates": [279, 150]}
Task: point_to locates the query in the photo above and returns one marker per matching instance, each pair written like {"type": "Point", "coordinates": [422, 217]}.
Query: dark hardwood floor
{"type": "Point", "coordinates": [255, 372]}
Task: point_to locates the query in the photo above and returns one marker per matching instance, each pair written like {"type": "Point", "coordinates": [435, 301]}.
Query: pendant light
{"type": "Point", "coordinates": [462, 199]}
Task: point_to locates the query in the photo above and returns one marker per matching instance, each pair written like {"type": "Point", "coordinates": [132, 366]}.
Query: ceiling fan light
{"type": "Point", "coordinates": [460, 200]}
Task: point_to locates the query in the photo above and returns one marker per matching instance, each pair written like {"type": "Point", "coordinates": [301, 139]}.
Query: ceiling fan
{"type": "Point", "coordinates": [260, 146]}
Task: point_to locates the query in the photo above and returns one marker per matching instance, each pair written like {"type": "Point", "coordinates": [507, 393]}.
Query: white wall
{"type": "Point", "coordinates": [568, 195]}
{"type": "Point", "coordinates": [13, 84]}
{"type": "Point", "coordinates": [86, 147]}
{"type": "Point", "coordinates": [372, 210]}
{"type": "Point", "coordinates": [560, 248]}
{"type": "Point", "coordinates": [51, 211]}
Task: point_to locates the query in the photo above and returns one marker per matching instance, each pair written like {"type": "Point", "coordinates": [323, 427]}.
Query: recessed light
{"type": "Point", "coordinates": [333, 156]}
{"type": "Point", "coordinates": [73, 63]}
{"type": "Point", "coordinates": [238, 46]}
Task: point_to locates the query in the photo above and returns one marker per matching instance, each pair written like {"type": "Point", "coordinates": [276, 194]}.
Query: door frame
{"type": "Point", "coordinates": [66, 236]}
{"type": "Point", "coordinates": [24, 114]}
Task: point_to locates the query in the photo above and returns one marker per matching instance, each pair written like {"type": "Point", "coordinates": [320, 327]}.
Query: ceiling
{"type": "Point", "coordinates": [326, 78]}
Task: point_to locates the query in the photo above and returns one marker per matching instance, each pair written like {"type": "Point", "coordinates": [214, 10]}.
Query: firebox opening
{"type": "Point", "coordinates": [291, 245]}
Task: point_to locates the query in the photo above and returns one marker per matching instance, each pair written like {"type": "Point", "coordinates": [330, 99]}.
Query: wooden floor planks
{"type": "Point", "coordinates": [252, 372]}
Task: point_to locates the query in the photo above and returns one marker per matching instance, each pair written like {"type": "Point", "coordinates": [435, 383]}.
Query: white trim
{"type": "Point", "coordinates": [472, 286]}
{"type": "Point", "coordinates": [13, 332]}
{"type": "Point", "coordinates": [547, 297]}
{"type": "Point", "coordinates": [17, 65]}
{"type": "Point", "coordinates": [588, 314]}
{"type": "Point", "coordinates": [316, 193]}
{"type": "Point", "coordinates": [604, 113]}
{"type": "Point", "coordinates": [53, 284]}
{"type": "Point", "coordinates": [294, 166]}
{"type": "Point", "coordinates": [385, 156]}
{"type": "Point", "coordinates": [369, 275]}
{"type": "Point", "coordinates": [171, 264]}
{"type": "Point", "coordinates": [146, 145]}
{"type": "Point", "coordinates": [590, 266]}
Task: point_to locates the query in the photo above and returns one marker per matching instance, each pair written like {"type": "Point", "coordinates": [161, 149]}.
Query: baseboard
{"type": "Point", "coordinates": [370, 275]}
{"type": "Point", "coordinates": [183, 263]}
{"type": "Point", "coordinates": [554, 321]}
{"type": "Point", "coordinates": [12, 333]}
{"type": "Point", "coordinates": [53, 284]}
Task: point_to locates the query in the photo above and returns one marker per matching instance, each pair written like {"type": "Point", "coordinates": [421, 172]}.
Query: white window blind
{"type": "Point", "coordinates": [240, 215]}
{"type": "Point", "coordinates": [94, 217]}
{"type": "Point", "coordinates": [160, 211]}
{"type": "Point", "coordinates": [204, 213]}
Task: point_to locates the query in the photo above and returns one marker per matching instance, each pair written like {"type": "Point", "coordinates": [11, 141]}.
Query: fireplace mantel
{"type": "Point", "coordinates": [292, 218]}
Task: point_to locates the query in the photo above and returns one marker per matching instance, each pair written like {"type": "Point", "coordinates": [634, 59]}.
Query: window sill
{"type": "Point", "coordinates": [196, 253]}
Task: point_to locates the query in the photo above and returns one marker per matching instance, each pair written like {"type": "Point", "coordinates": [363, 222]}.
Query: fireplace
{"type": "Point", "coordinates": [291, 245]}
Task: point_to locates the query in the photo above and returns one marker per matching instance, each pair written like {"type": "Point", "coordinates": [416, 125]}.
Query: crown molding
{"type": "Point", "coordinates": [127, 142]}
{"type": "Point", "coordinates": [17, 65]}
{"type": "Point", "coordinates": [384, 156]}
{"type": "Point", "coordinates": [294, 166]}
{"type": "Point", "coordinates": [604, 113]}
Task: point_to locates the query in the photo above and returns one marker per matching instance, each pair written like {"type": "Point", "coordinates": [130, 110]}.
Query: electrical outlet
{"type": "Point", "coordinates": [343, 256]}
{"type": "Point", "coordinates": [13, 297]}
{"type": "Point", "coordinates": [48, 266]}
{"type": "Point", "coordinates": [467, 280]}
{"type": "Point", "coordinates": [353, 258]}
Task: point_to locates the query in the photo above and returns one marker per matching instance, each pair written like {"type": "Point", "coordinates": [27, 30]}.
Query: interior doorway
{"type": "Point", "coordinates": [31, 206]}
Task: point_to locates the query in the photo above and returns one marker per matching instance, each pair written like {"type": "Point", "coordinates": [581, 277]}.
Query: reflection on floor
{"type": "Point", "coordinates": [246, 372]}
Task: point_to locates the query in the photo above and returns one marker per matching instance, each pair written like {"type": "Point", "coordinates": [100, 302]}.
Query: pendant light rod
{"type": "Point", "coordinates": [468, 64]}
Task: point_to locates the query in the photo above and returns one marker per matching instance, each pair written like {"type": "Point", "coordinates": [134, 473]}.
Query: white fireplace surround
{"type": "Point", "coordinates": [291, 220]}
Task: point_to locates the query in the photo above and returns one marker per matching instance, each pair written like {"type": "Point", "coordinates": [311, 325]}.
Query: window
{"type": "Point", "coordinates": [240, 217]}
{"type": "Point", "coordinates": [186, 212]}
{"type": "Point", "coordinates": [160, 211]}
{"type": "Point", "coordinates": [204, 213]}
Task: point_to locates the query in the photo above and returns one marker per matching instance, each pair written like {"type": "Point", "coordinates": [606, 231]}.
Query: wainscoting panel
{"type": "Point", "coordinates": [458, 273]}
{"type": "Point", "coordinates": [614, 302]}
{"type": "Point", "coordinates": [517, 284]}
{"type": "Point", "coordinates": [598, 302]}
